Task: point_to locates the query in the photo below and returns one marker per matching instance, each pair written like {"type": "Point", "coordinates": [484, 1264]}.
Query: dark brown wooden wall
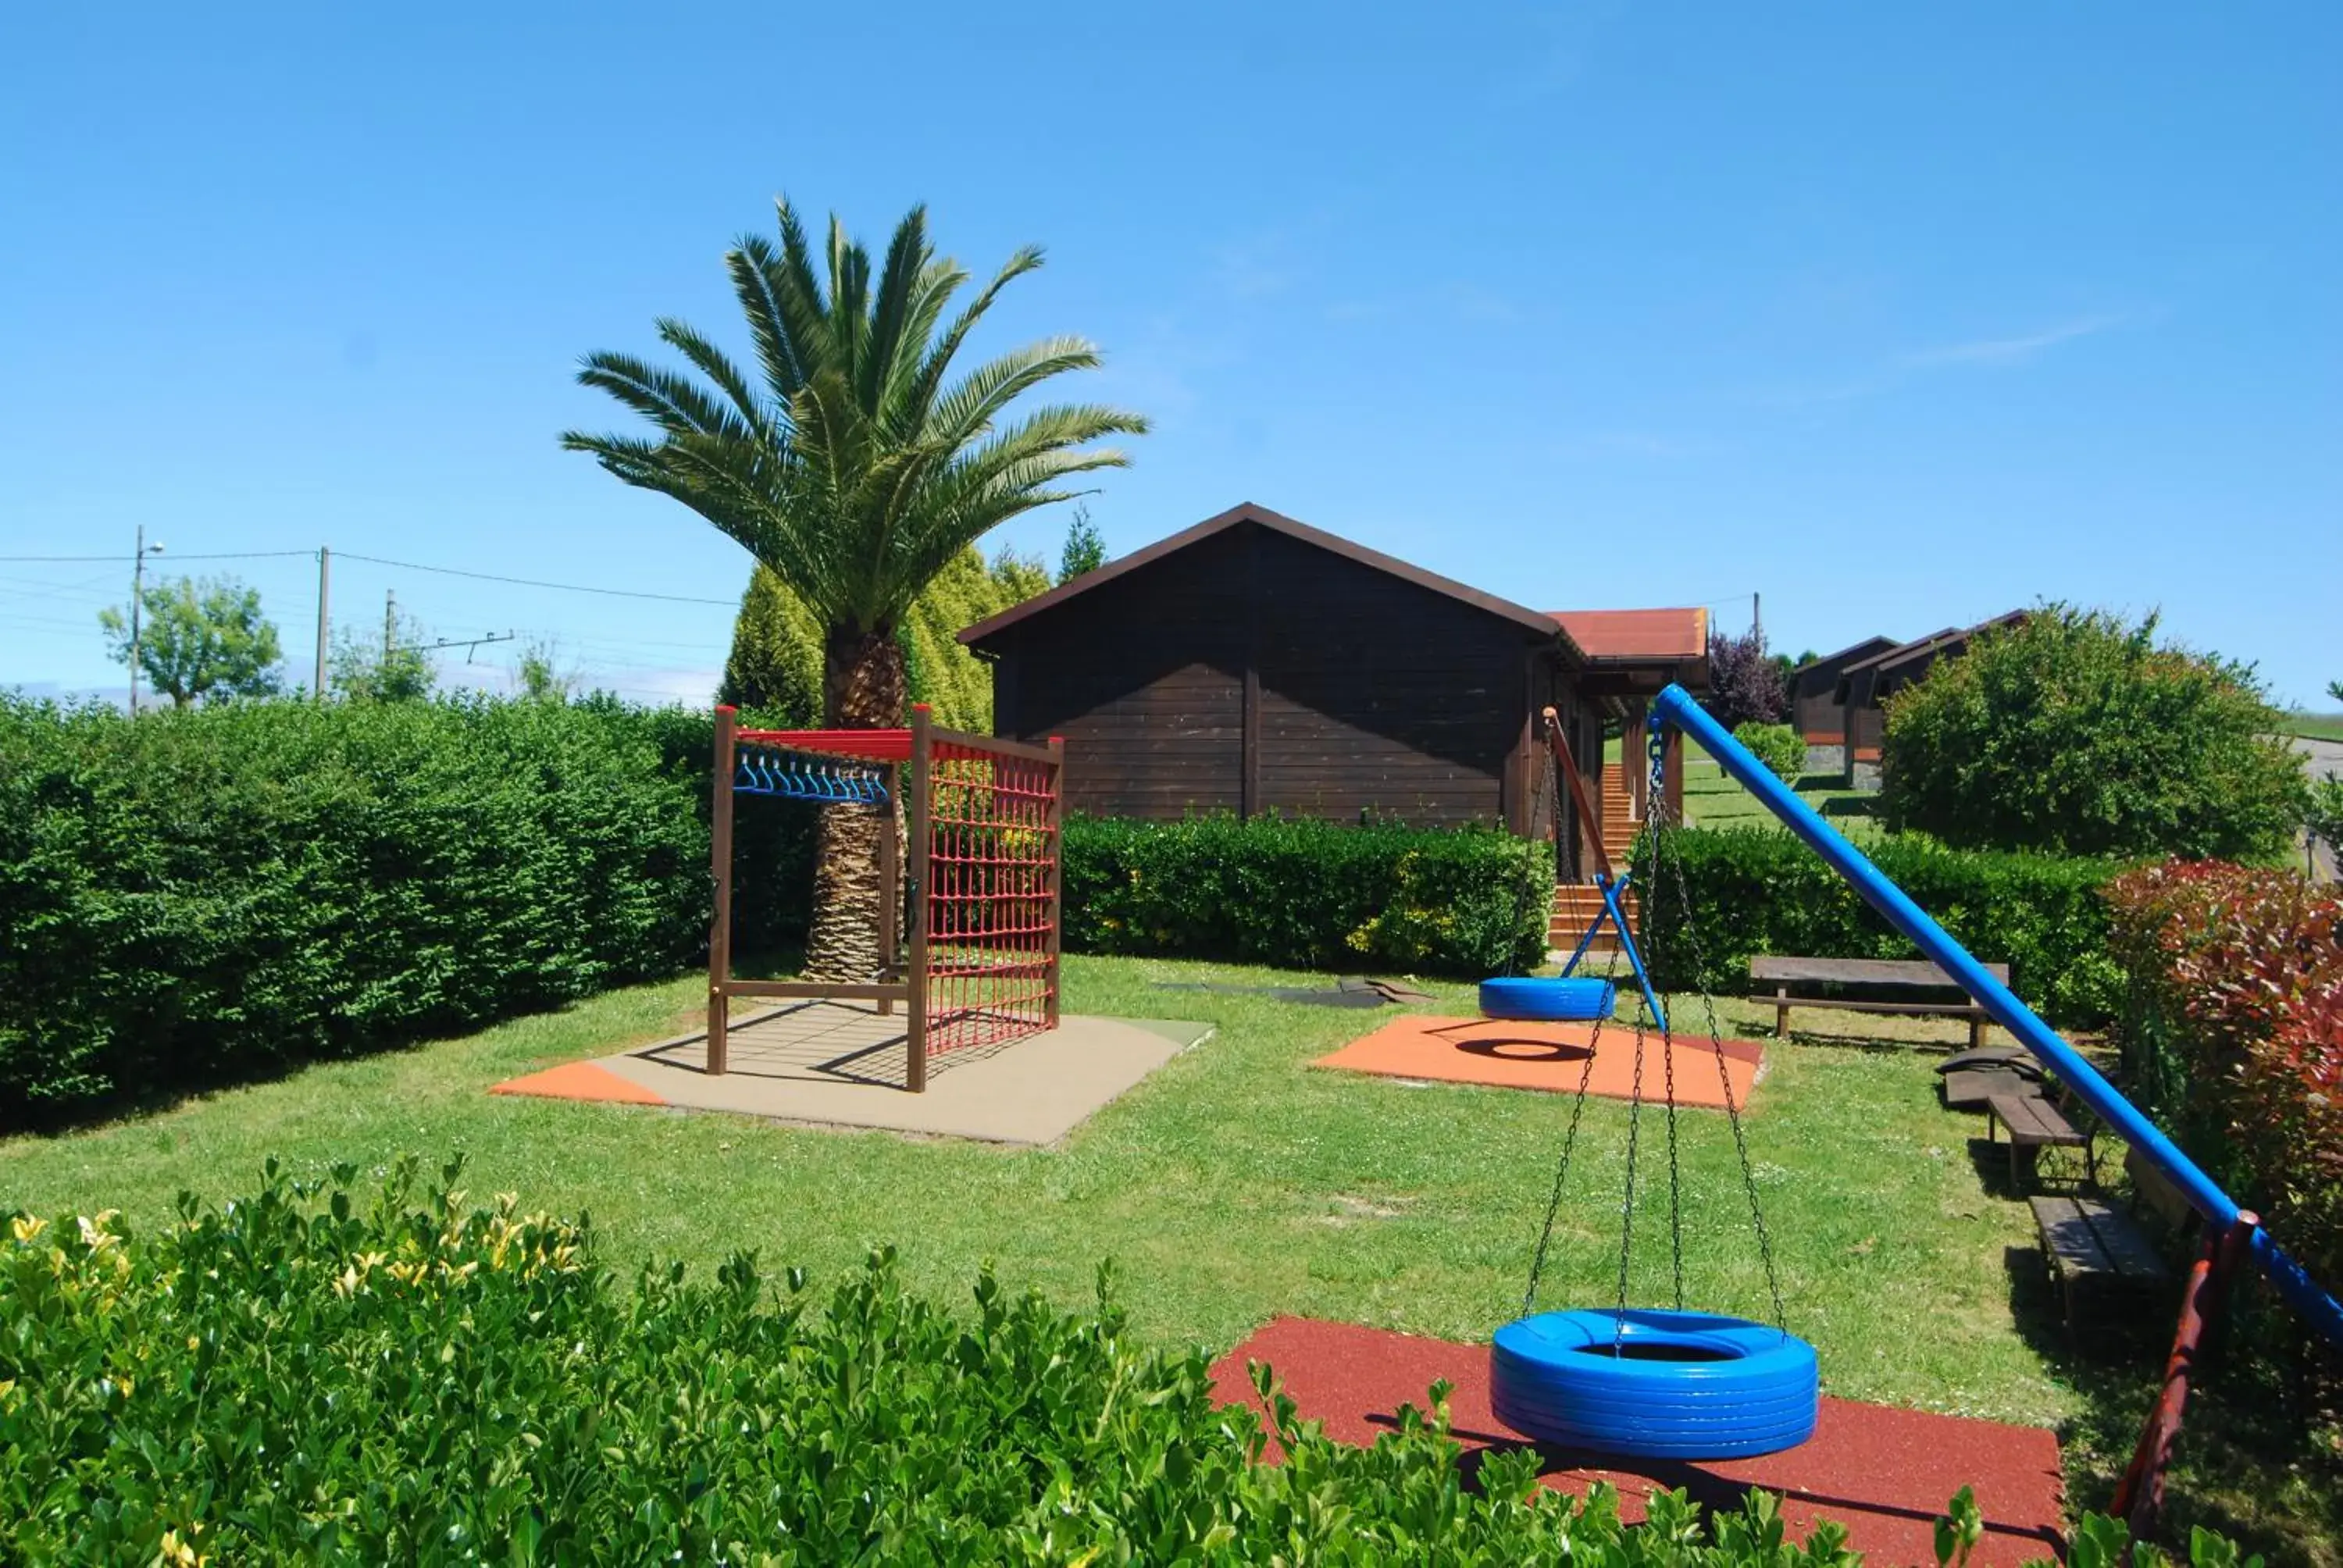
{"type": "Point", "coordinates": [1364, 693]}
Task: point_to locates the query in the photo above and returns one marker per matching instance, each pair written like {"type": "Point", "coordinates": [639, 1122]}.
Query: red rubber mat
{"type": "Point", "coordinates": [1550, 1057]}
{"type": "Point", "coordinates": [1884, 1474]}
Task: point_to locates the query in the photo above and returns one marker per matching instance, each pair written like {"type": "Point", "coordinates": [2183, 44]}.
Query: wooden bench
{"type": "Point", "coordinates": [1903, 975]}
{"type": "Point", "coordinates": [2035, 1124]}
{"type": "Point", "coordinates": [1973, 1089]}
{"type": "Point", "coordinates": [2093, 1247]}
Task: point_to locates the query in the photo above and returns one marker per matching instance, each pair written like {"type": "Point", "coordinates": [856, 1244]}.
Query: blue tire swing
{"type": "Point", "coordinates": [1641, 1381]}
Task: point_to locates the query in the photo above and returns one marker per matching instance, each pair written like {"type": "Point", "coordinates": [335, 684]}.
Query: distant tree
{"type": "Point", "coordinates": [539, 678]}
{"type": "Point", "coordinates": [2078, 732]}
{"type": "Point", "coordinates": [364, 670]}
{"type": "Point", "coordinates": [1085, 548]}
{"type": "Point", "coordinates": [199, 639]}
{"type": "Point", "coordinates": [1744, 686]}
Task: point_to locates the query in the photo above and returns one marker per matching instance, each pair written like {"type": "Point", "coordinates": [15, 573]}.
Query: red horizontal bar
{"type": "Point", "coordinates": [869, 745]}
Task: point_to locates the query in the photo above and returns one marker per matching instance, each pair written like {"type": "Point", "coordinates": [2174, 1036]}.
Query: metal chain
{"type": "Point", "coordinates": [1627, 1207]}
{"type": "Point", "coordinates": [1560, 1173]}
{"type": "Point", "coordinates": [1724, 1077]}
{"type": "Point", "coordinates": [1667, 1033]}
{"type": "Point", "coordinates": [1548, 787]}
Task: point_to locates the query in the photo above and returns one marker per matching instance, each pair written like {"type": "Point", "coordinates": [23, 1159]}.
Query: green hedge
{"type": "Point", "coordinates": [200, 895]}
{"type": "Point", "coordinates": [1308, 894]}
{"type": "Point", "coordinates": [1756, 890]}
{"type": "Point", "coordinates": [318, 1374]}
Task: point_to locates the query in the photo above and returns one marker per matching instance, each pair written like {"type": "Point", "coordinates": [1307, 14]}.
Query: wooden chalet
{"type": "Point", "coordinates": [1255, 664]}
{"type": "Point", "coordinates": [1864, 687]}
{"type": "Point", "coordinates": [1816, 707]}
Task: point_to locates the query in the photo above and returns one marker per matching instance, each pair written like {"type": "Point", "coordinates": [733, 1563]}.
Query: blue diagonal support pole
{"type": "Point", "coordinates": [1675, 706]}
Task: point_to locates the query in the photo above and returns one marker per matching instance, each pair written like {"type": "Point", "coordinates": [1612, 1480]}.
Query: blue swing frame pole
{"type": "Point", "coordinates": [1675, 706]}
{"type": "Point", "coordinates": [1612, 888]}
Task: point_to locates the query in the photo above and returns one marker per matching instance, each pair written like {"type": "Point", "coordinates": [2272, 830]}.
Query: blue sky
{"type": "Point", "coordinates": [1899, 314]}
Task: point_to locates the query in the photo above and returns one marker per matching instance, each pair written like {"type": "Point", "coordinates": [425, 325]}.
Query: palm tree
{"type": "Point", "coordinates": [857, 470]}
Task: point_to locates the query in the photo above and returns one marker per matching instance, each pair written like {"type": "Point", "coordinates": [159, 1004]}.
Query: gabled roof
{"type": "Point", "coordinates": [1637, 635]}
{"type": "Point", "coordinates": [1862, 681]}
{"type": "Point", "coordinates": [1852, 654]}
{"type": "Point", "coordinates": [1539, 626]}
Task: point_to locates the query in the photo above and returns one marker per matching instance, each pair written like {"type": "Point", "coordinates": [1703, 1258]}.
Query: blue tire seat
{"type": "Point", "coordinates": [1546, 999]}
{"type": "Point", "coordinates": [1682, 1385]}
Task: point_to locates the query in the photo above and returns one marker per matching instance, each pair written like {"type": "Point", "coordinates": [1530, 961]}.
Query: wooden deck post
{"type": "Point", "coordinates": [915, 1028]}
{"type": "Point", "coordinates": [719, 854]}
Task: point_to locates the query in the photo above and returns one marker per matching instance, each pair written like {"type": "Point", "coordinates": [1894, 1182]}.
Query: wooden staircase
{"type": "Point", "coordinates": [1618, 823]}
{"type": "Point", "coordinates": [1575, 905]}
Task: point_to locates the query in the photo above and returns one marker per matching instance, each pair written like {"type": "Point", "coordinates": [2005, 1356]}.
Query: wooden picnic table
{"type": "Point", "coordinates": [1902, 975]}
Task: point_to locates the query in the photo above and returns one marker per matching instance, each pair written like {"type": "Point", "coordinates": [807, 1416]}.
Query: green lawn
{"type": "Point", "coordinates": [2316, 726]}
{"type": "Point", "coordinates": [1234, 1184]}
{"type": "Point", "coordinates": [1715, 800]}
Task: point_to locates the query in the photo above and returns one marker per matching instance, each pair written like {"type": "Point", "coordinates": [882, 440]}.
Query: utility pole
{"type": "Point", "coordinates": [137, 605]}
{"type": "Point", "coordinates": [325, 572]}
{"type": "Point", "coordinates": [389, 615]}
{"type": "Point", "coordinates": [1757, 621]}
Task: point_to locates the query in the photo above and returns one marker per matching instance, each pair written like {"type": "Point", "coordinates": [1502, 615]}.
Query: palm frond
{"type": "Point", "coordinates": [672, 402]}
{"type": "Point", "coordinates": [713, 363]}
{"type": "Point", "coordinates": [938, 363]}
{"type": "Point", "coordinates": [968, 410]}
{"type": "Point", "coordinates": [755, 269]}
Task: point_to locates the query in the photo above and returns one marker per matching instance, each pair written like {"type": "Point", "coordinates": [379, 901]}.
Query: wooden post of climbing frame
{"type": "Point", "coordinates": [890, 884]}
{"type": "Point", "coordinates": [1057, 818]}
{"type": "Point", "coordinates": [915, 1028]}
{"type": "Point", "coordinates": [720, 855]}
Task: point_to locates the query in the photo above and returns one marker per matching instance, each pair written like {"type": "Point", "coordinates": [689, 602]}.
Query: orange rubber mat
{"type": "Point", "coordinates": [579, 1080]}
{"type": "Point", "coordinates": [1552, 1056]}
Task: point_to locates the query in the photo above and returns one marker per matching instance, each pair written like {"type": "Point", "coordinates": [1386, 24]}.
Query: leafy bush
{"type": "Point", "coordinates": [1749, 890]}
{"type": "Point", "coordinates": [2074, 733]}
{"type": "Point", "coordinates": [1778, 746]}
{"type": "Point", "coordinates": [1308, 894]}
{"type": "Point", "coordinates": [2232, 1026]}
{"type": "Point", "coordinates": [312, 1374]}
{"type": "Point", "coordinates": [222, 890]}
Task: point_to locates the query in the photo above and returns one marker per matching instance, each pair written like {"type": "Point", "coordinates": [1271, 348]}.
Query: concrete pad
{"type": "Point", "coordinates": [1556, 1058]}
{"type": "Point", "coordinates": [1885, 1473]}
{"type": "Point", "coordinates": [842, 1064]}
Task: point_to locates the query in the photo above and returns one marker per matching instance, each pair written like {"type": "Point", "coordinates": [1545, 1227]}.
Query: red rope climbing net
{"type": "Point", "coordinates": [991, 895]}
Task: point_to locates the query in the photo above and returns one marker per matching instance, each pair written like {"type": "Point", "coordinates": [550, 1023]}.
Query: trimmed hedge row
{"type": "Point", "coordinates": [216, 892]}
{"type": "Point", "coordinates": [1751, 890]}
{"type": "Point", "coordinates": [316, 1374]}
{"type": "Point", "coordinates": [204, 895]}
{"type": "Point", "coordinates": [1308, 894]}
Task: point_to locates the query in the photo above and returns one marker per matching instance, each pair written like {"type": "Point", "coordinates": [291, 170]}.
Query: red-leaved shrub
{"type": "Point", "coordinates": [2234, 1028]}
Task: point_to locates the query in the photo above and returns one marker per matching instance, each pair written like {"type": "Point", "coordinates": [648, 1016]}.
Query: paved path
{"type": "Point", "coordinates": [2321, 758]}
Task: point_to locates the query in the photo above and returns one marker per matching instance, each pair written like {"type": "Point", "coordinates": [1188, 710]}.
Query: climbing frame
{"type": "Point", "coordinates": [968, 918]}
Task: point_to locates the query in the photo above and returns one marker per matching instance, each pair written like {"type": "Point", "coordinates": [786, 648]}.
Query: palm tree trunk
{"type": "Point", "coordinates": [862, 689]}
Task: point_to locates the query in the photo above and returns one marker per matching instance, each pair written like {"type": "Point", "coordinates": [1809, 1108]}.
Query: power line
{"type": "Point", "coordinates": [207, 556]}
{"type": "Point", "coordinates": [524, 582]}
